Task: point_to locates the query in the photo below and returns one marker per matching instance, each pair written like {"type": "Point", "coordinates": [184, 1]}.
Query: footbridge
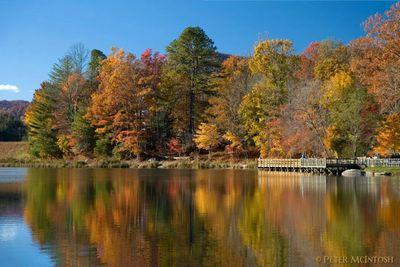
{"type": "Point", "coordinates": [323, 165]}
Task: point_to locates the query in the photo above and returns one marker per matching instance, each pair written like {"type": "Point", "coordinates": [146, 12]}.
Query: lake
{"type": "Point", "coordinates": [126, 217]}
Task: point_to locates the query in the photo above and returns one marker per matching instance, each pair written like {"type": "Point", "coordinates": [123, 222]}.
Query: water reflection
{"type": "Point", "coordinates": [201, 218]}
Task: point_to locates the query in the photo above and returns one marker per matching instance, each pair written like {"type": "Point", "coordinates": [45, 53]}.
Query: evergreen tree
{"type": "Point", "coordinates": [83, 133]}
{"type": "Point", "coordinates": [40, 121]}
{"type": "Point", "coordinates": [192, 58]}
{"type": "Point", "coordinates": [96, 57]}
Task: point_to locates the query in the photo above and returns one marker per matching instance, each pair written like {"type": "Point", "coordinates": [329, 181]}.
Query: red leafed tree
{"type": "Point", "coordinates": [376, 58]}
{"type": "Point", "coordinates": [307, 61]}
{"type": "Point", "coordinates": [175, 146]}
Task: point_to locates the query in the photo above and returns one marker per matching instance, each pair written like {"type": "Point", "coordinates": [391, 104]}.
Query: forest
{"type": "Point", "coordinates": [331, 100]}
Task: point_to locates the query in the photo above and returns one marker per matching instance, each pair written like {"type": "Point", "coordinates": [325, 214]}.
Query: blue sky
{"type": "Point", "coordinates": [34, 34]}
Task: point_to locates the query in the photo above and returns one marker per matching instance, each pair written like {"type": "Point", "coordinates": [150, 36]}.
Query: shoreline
{"type": "Point", "coordinates": [132, 164]}
{"type": "Point", "coordinates": [158, 164]}
{"type": "Point", "coordinates": [382, 171]}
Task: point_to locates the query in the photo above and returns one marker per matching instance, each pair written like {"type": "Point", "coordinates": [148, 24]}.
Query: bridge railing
{"type": "Point", "coordinates": [292, 163]}
{"type": "Point", "coordinates": [314, 163]}
{"type": "Point", "coordinates": [323, 162]}
{"type": "Point", "coordinates": [340, 162]}
{"type": "Point", "coordinates": [274, 163]}
{"type": "Point", "coordinates": [395, 162]}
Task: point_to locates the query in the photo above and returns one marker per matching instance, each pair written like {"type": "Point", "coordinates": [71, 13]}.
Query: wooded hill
{"type": "Point", "coordinates": [11, 125]}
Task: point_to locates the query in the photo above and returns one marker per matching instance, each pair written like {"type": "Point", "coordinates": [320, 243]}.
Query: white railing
{"type": "Point", "coordinates": [273, 163]}
{"type": "Point", "coordinates": [292, 163]}
{"type": "Point", "coordinates": [395, 162]}
{"type": "Point", "coordinates": [313, 163]}
{"type": "Point", "coordinates": [323, 162]}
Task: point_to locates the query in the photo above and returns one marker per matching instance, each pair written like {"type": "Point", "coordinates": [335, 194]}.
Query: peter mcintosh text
{"type": "Point", "coordinates": [355, 259]}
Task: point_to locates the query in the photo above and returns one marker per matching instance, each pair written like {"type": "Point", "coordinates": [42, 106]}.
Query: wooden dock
{"type": "Point", "coordinates": [311, 165]}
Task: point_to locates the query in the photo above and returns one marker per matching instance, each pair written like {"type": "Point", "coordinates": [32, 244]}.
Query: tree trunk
{"type": "Point", "coordinates": [192, 99]}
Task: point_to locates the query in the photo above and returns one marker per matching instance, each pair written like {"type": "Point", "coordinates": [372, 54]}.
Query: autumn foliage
{"type": "Point", "coordinates": [389, 136]}
{"type": "Point", "coordinates": [332, 100]}
{"type": "Point", "coordinates": [207, 136]}
{"type": "Point", "coordinates": [122, 106]}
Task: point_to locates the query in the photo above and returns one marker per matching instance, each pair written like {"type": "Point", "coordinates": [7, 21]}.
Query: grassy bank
{"type": "Point", "coordinates": [148, 164]}
{"type": "Point", "coordinates": [392, 170]}
{"type": "Point", "coordinates": [13, 150]}
{"type": "Point", "coordinates": [16, 155]}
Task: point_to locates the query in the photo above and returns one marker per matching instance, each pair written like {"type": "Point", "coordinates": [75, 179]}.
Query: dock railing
{"type": "Point", "coordinates": [292, 163]}
{"type": "Point", "coordinates": [337, 162]}
{"type": "Point", "coordinates": [369, 162]}
{"type": "Point", "coordinates": [313, 163]}
{"type": "Point", "coordinates": [324, 163]}
{"type": "Point", "coordinates": [279, 163]}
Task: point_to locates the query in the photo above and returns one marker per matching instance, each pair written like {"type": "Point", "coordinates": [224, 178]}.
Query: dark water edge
{"type": "Point", "coordinates": [154, 217]}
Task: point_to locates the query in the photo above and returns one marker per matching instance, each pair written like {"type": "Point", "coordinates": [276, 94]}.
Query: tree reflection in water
{"type": "Point", "coordinates": [209, 217]}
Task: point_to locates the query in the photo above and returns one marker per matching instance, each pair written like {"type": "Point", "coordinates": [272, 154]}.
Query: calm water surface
{"type": "Point", "coordinates": [122, 217]}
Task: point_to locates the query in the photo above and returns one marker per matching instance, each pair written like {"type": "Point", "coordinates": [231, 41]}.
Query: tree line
{"type": "Point", "coordinates": [331, 100]}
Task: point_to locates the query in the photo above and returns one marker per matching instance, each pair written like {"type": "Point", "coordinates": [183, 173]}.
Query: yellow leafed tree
{"type": "Point", "coordinates": [207, 137]}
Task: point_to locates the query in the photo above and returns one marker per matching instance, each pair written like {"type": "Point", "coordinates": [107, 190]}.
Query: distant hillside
{"type": "Point", "coordinates": [16, 108]}
{"type": "Point", "coordinates": [223, 56]}
{"type": "Point", "coordinates": [12, 127]}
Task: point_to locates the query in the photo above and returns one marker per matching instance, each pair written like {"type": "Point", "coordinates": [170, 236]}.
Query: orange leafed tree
{"type": "Point", "coordinates": [376, 58]}
{"type": "Point", "coordinates": [120, 107]}
{"type": "Point", "coordinates": [389, 136]}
